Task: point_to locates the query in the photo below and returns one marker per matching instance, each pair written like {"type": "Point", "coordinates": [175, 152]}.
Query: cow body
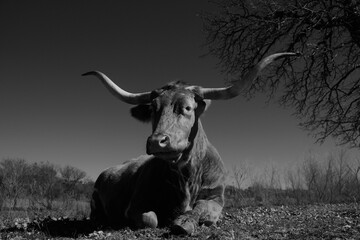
{"type": "Point", "coordinates": [181, 194]}
{"type": "Point", "coordinates": [180, 183]}
{"type": "Point", "coordinates": [150, 184]}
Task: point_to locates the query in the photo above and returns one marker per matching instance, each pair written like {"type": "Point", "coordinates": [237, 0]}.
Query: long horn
{"type": "Point", "coordinates": [130, 98]}
{"type": "Point", "coordinates": [236, 87]}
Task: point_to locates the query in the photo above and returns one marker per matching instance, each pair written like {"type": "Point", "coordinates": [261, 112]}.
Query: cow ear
{"type": "Point", "coordinates": [141, 112]}
{"type": "Point", "coordinates": [207, 104]}
{"type": "Point", "coordinates": [203, 105]}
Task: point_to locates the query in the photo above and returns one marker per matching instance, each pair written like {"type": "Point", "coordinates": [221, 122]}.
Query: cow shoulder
{"type": "Point", "coordinates": [213, 169]}
{"type": "Point", "coordinates": [213, 177]}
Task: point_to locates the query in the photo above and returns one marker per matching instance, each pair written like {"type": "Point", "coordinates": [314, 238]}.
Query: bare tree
{"type": "Point", "coordinates": [72, 174]}
{"type": "Point", "coordinates": [312, 174]}
{"type": "Point", "coordinates": [44, 183]}
{"type": "Point", "coordinates": [240, 174]}
{"type": "Point", "coordinates": [266, 186]}
{"type": "Point", "coordinates": [295, 184]}
{"type": "Point", "coordinates": [342, 173]}
{"type": "Point", "coordinates": [294, 179]}
{"type": "Point", "coordinates": [332, 180]}
{"type": "Point", "coordinates": [328, 180]}
{"type": "Point", "coordinates": [352, 182]}
{"type": "Point", "coordinates": [71, 177]}
{"type": "Point", "coordinates": [237, 176]}
{"type": "Point", "coordinates": [324, 84]}
{"type": "Point", "coordinates": [14, 173]}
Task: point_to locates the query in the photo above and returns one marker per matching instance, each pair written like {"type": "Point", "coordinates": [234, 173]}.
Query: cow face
{"type": "Point", "coordinates": [173, 112]}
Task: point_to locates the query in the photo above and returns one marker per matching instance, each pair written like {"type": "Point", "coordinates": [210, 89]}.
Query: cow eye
{"type": "Point", "coordinates": [188, 108]}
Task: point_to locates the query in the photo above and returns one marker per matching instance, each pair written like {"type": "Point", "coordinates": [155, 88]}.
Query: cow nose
{"type": "Point", "coordinates": [163, 141]}
{"type": "Point", "coordinates": [157, 143]}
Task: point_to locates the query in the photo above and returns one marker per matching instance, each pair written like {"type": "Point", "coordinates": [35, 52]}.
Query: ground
{"type": "Point", "coordinates": [325, 221]}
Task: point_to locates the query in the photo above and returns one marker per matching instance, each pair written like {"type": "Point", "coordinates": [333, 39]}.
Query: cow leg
{"type": "Point", "coordinates": [206, 211]}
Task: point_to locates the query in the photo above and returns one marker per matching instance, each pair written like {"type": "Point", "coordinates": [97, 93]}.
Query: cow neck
{"type": "Point", "coordinates": [196, 151]}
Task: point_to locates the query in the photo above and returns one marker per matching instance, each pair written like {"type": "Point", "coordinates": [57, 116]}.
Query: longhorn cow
{"type": "Point", "coordinates": [180, 183]}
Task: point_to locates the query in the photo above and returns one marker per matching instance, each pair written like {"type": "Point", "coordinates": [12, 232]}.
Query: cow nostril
{"type": "Point", "coordinates": [164, 141]}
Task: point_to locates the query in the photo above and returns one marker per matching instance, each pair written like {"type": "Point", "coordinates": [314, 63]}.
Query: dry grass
{"type": "Point", "coordinates": [325, 221]}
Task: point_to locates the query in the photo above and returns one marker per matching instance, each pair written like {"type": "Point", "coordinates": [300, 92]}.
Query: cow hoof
{"type": "Point", "coordinates": [149, 219]}
{"type": "Point", "coordinates": [185, 226]}
{"type": "Point", "coordinates": [184, 229]}
{"type": "Point", "coordinates": [207, 221]}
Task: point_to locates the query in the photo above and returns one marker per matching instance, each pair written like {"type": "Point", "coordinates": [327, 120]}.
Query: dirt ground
{"type": "Point", "coordinates": [325, 221]}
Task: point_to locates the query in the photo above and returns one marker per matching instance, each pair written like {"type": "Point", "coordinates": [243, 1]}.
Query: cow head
{"type": "Point", "coordinates": [174, 109]}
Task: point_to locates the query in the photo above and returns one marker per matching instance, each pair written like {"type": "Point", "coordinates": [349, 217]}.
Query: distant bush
{"type": "Point", "coordinates": [334, 180]}
{"type": "Point", "coordinates": [42, 186]}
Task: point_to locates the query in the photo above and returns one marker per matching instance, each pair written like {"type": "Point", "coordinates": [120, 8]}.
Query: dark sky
{"type": "Point", "coordinates": [48, 112]}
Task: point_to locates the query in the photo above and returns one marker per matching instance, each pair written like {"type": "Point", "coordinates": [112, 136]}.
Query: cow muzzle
{"type": "Point", "coordinates": [159, 145]}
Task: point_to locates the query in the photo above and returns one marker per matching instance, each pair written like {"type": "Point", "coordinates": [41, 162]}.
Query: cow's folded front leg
{"type": "Point", "coordinates": [211, 211]}
{"type": "Point", "coordinates": [185, 224]}
{"type": "Point", "coordinates": [206, 212]}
